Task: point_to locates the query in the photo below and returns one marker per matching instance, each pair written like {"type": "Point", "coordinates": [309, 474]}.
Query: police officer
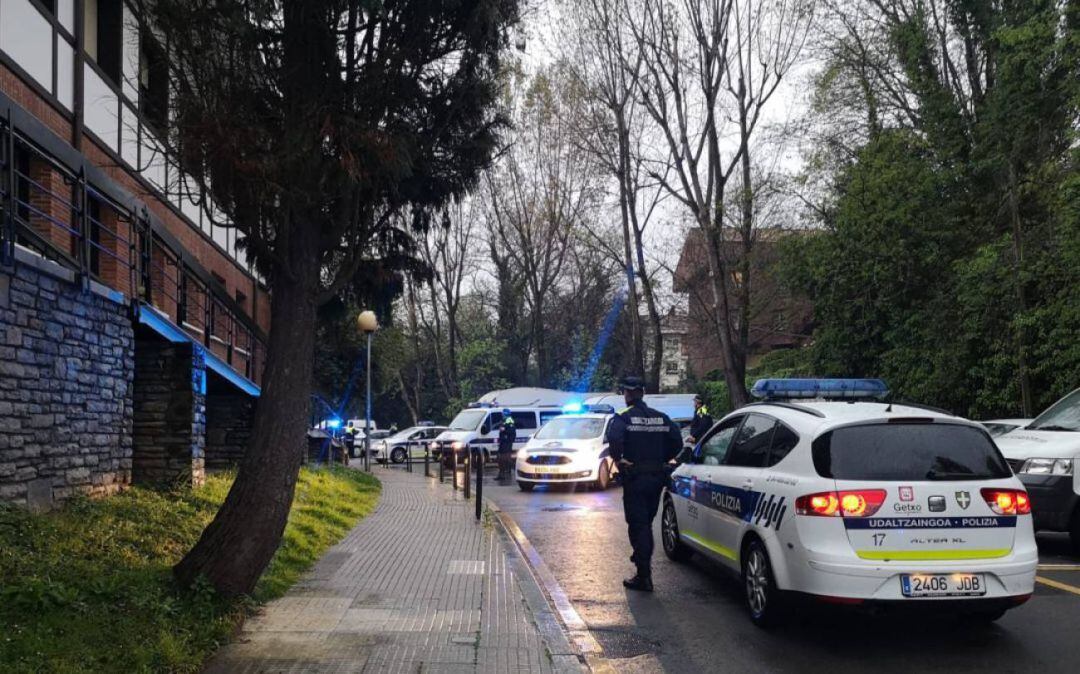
{"type": "Point", "coordinates": [702, 421]}
{"type": "Point", "coordinates": [507, 436]}
{"type": "Point", "coordinates": [642, 441]}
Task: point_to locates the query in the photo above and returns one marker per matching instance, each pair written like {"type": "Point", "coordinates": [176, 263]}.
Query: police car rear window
{"type": "Point", "coordinates": [908, 452]}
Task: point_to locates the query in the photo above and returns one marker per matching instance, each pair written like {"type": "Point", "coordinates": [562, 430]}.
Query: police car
{"type": "Point", "coordinates": [569, 449]}
{"type": "Point", "coordinates": [843, 499]}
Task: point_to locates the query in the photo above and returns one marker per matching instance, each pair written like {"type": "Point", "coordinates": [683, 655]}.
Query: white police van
{"type": "Point", "coordinates": [1044, 453]}
{"type": "Point", "coordinates": [477, 428]}
{"type": "Point", "coordinates": [843, 499]}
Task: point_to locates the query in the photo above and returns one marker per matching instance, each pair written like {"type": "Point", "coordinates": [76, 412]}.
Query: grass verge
{"type": "Point", "coordinates": [89, 587]}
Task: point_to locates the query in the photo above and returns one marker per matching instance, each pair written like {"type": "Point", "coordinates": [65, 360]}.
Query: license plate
{"type": "Point", "coordinates": [550, 471]}
{"type": "Point", "coordinates": [943, 585]}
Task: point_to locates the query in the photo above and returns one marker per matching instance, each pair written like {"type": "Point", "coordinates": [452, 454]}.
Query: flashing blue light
{"type": "Point", "coordinates": [573, 408]}
{"type": "Point", "coordinates": [778, 389]}
{"type": "Point", "coordinates": [333, 423]}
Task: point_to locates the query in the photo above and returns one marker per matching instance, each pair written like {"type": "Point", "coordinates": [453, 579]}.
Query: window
{"type": "Point", "coordinates": [104, 27]}
{"type": "Point", "coordinates": [672, 367]}
{"type": "Point", "coordinates": [783, 441]}
{"type": "Point", "coordinates": [153, 82]}
{"type": "Point", "coordinates": [908, 452]}
{"type": "Point", "coordinates": [524, 420]}
{"type": "Point", "coordinates": [241, 299]}
{"type": "Point", "coordinates": [494, 420]}
{"type": "Point", "coordinates": [715, 447]}
{"type": "Point", "coordinates": [572, 428]}
{"type": "Point", "coordinates": [752, 443]}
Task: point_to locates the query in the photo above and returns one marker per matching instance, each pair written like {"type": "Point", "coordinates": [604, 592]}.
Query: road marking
{"type": "Point", "coordinates": [1059, 567]}
{"type": "Point", "coordinates": [1060, 586]}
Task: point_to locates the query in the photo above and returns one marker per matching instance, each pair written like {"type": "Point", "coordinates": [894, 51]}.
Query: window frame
{"type": "Point", "coordinates": [768, 447]}
{"type": "Point", "coordinates": [699, 449]}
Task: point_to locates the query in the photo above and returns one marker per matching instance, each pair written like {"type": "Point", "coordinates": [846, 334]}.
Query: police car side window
{"type": "Point", "coordinates": [715, 447]}
{"type": "Point", "coordinates": [494, 419]}
{"type": "Point", "coordinates": [751, 447]}
{"type": "Point", "coordinates": [783, 441]}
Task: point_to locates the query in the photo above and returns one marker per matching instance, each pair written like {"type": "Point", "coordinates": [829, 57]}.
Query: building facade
{"type": "Point", "coordinates": [130, 320]}
{"type": "Point", "coordinates": [778, 318]}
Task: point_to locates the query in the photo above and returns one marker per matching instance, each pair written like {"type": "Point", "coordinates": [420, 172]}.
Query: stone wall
{"type": "Point", "coordinates": [65, 386]}
{"type": "Point", "coordinates": [170, 413]}
{"type": "Point", "coordinates": [229, 414]}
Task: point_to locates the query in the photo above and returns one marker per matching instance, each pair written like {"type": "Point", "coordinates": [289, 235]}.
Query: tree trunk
{"type": "Point", "coordinates": [237, 546]}
{"type": "Point", "coordinates": [717, 269]}
{"type": "Point", "coordinates": [1027, 401]}
{"type": "Point", "coordinates": [624, 209]}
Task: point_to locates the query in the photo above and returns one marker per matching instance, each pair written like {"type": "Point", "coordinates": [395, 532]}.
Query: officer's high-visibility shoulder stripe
{"type": "Point", "coordinates": [625, 410]}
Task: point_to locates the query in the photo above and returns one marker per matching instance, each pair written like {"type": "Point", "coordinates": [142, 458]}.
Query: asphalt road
{"type": "Point", "coordinates": [695, 620]}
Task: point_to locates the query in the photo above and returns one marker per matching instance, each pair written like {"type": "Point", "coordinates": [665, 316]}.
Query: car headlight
{"type": "Point", "coordinates": [458, 445]}
{"type": "Point", "coordinates": [433, 446]}
{"type": "Point", "coordinates": [1047, 467]}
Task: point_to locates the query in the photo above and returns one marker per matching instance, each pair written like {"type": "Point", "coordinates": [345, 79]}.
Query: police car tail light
{"type": "Point", "coordinates": [854, 503]}
{"type": "Point", "coordinates": [1007, 501]}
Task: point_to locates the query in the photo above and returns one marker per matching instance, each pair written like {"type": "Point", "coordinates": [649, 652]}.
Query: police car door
{"type": "Point", "coordinates": [693, 491]}
{"type": "Point", "coordinates": [736, 494]}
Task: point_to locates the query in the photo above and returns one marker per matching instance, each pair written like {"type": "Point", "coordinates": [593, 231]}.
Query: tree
{"type": "Point", "coordinates": [711, 68]}
{"type": "Point", "coordinates": [314, 126]}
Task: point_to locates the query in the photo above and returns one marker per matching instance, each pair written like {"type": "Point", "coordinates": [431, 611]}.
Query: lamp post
{"type": "Point", "coordinates": [368, 323]}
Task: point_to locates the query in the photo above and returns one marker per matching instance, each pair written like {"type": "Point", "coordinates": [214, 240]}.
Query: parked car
{"type": "Point", "coordinates": [410, 443]}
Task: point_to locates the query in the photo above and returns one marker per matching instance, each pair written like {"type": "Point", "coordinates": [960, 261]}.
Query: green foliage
{"type": "Point", "coordinates": [89, 587]}
{"type": "Point", "coordinates": [947, 255]}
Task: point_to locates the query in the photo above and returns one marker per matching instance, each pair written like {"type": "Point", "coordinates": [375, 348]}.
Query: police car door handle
{"type": "Point", "coordinates": [748, 483]}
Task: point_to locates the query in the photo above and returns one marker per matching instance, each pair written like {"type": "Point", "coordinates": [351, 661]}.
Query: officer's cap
{"type": "Point", "coordinates": [506, 411]}
{"type": "Point", "coordinates": [631, 383]}
{"type": "Point", "coordinates": [698, 398]}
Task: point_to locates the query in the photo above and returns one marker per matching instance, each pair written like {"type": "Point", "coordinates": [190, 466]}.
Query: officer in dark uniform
{"type": "Point", "coordinates": [642, 441]}
{"type": "Point", "coordinates": [507, 436]}
{"type": "Point", "coordinates": [702, 421]}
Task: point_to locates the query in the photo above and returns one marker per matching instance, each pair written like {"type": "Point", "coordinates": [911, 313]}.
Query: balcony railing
{"type": "Point", "coordinates": [84, 224]}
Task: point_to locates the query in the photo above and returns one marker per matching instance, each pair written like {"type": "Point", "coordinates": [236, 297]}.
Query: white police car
{"type": "Point", "coordinates": [854, 502]}
{"type": "Point", "coordinates": [569, 449]}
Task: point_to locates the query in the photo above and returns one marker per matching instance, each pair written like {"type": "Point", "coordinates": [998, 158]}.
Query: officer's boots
{"type": "Point", "coordinates": [642, 581]}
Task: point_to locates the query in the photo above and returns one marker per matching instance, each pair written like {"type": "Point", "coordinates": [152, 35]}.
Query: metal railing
{"type": "Point", "coordinates": [55, 211]}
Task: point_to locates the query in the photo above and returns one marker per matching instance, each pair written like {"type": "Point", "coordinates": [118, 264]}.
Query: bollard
{"type": "Point", "coordinates": [479, 485]}
{"type": "Point", "coordinates": [442, 467]}
{"type": "Point", "coordinates": [408, 457]}
{"type": "Point", "coordinates": [427, 461]}
{"type": "Point", "coordinates": [453, 468]}
{"type": "Point", "coordinates": [468, 460]}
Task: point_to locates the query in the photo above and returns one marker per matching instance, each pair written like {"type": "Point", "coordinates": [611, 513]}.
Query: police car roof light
{"type": "Point", "coordinates": [601, 409]}
{"type": "Point", "coordinates": [573, 408]}
{"type": "Point", "coordinates": [333, 423]}
{"type": "Point", "coordinates": [819, 388]}
{"type": "Point", "coordinates": [425, 423]}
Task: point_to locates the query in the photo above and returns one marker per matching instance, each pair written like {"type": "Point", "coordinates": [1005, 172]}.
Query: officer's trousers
{"type": "Point", "coordinates": [505, 465]}
{"type": "Point", "coordinates": [641, 500]}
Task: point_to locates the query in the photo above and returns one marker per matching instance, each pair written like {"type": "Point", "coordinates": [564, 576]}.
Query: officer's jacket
{"type": "Point", "coordinates": [643, 436]}
{"type": "Point", "coordinates": [701, 424]}
{"type": "Point", "coordinates": [507, 435]}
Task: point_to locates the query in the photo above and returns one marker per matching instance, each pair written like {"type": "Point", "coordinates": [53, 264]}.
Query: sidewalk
{"type": "Point", "coordinates": [418, 586]}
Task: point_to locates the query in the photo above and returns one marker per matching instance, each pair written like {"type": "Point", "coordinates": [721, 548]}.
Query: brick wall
{"type": "Point", "coordinates": [65, 390]}
{"type": "Point", "coordinates": [169, 431]}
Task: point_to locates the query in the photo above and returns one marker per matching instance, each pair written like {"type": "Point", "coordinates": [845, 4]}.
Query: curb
{"type": "Point", "coordinates": [558, 604]}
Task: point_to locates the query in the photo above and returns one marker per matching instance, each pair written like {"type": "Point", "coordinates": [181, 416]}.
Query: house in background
{"type": "Point", "coordinates": [779, 319]}
{"type": "Point", "coordinates": [132, 326]}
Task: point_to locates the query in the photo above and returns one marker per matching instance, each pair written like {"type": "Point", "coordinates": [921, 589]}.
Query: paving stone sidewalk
{"type": "Point", "coordinates": [418, 586]}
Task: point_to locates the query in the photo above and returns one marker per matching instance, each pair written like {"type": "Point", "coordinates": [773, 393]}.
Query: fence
{"type": "Point", "coordinates": [55, 210]}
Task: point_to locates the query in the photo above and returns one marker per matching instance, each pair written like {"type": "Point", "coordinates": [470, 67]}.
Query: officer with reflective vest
{"type": "Point", "coordinates": [507, 436]}
{"type": "Point", "coordinates": [642, 441]}
{"type": "Point", "coordinates": [702, 421]}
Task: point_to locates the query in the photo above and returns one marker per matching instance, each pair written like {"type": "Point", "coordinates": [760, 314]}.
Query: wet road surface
{"type": "Point", "coordinates": [695, 620]}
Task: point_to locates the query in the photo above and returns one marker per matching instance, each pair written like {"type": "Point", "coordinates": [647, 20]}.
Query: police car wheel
{"type": "Point", "coordinates": [674, 548]}
{"type": "Point", "coordinates": [525, 486]}
{"type": "Point", "coordinates": [603, 476]}
{"type": "Point", "coordinates": [762, 596]}
{"type": "Point", "coordinates": [1074, 532]}
{"type": "Point", "coordinates": [398, 455]}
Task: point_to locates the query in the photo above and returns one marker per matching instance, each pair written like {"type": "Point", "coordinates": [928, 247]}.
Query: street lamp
{"type": "Point", "coordinates": [368, 323]}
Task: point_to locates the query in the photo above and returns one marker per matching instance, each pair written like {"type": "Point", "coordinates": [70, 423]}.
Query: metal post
{"type": "Point", "coordinates": [367, 415]}
{"type": "Point", "coordinates": [453, 466]}
{"type": "Point", "coordinates": [468, 460]}
{"type": "Point", "coordinates": [442, 467]}
{"type": "Point", "coordinates": [479, 483]}
{"type": "Point", "coordinates": [7, 253]}
{"type": "Point", "coordinates": [427, 460]}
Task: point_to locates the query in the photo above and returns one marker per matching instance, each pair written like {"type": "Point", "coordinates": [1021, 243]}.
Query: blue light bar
{"type": "Point", "coordinates": [601, 409]}
{"type": "Point", "coordinates": [333, 423]}
{"type": "Point", "coordinates": [573, 408]}
{"type": "Point", "coordinates": [779, 389]}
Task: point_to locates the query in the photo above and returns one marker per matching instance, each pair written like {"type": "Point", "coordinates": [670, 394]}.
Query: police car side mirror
{"type": "Point", "coordinates": [485, 429]}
